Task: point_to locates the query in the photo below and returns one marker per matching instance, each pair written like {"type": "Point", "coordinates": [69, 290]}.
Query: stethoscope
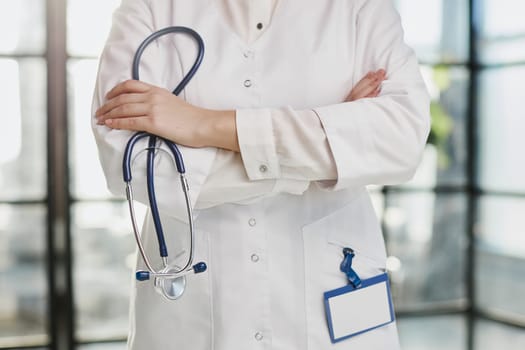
{"type": "Point", "coordinates": [170, 280]}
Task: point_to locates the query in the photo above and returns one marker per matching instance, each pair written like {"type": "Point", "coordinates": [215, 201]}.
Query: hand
{"type": "Point", "coordinates": [138, 106]}
{"type": "Point", "coordinates": [369, 86]}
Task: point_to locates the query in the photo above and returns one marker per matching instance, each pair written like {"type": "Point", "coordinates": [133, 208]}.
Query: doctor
{"type": "Point", "coordinates": [277, 157]}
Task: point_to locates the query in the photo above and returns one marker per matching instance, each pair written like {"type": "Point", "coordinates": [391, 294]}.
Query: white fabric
{"type": "Point", "coordinates": [305, 159]}
{"type": "Point", "coordinates": [244, 15]}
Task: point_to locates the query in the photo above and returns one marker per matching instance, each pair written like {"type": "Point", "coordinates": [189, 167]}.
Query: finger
{"type": "Point", "coordinates": [374, 93]}
{"type": "Point", "coordinates": [366, 87]}
{"type": "Point", "coordinates": [368, 83]}
{"type": "Point", "coordinates": [359, 90]}
{"type": "Point", "coordinates": [365, 81]}
{"type": "Point", "coordinates": [140, 123]}
{"type": "Point", "coordinates": [119, 101]}
{"type": "Point", "coordinates": [128, 86]}
{"type": "Point", "coordinates": [125, 111]}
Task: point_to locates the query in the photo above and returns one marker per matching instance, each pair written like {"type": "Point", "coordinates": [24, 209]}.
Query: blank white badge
{"type": "Point", "coordinates": [351, 311]}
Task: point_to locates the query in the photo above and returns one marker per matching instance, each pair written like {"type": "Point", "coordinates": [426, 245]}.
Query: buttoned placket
{"type": "Point", "coordinates": [248, 81]}
{"type": "Point", "coordinates": [258, 268]}
{"type": "Point", "coordinates": [259, 17]}
{"type": "Point", "coordinates": [254, 230]}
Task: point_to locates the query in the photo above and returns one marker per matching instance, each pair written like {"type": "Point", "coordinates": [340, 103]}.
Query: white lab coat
{"type": "Point", "coordinates": [271, 222]}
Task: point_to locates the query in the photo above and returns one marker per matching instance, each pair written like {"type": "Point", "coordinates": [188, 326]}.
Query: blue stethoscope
{"type": "Point", "coordinates": [170, 280]}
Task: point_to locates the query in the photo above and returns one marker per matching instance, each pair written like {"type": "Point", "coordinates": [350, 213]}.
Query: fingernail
{"type": "Point", "coordinates": [109, 122]}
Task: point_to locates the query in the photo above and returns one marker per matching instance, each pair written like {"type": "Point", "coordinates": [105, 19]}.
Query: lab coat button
{"type": "Point", "coordinates": [263, 168]}
{"type": "Point", "coordinates": [252, 222]}
{"type": "Point", "coordinates": [258, 336]}
{"type": "Point", "coordinates": [255, 258]}
{"type": "Point", "coordinates": [259, 26]}
{"type": "Point", "coordinates": [247, 83]}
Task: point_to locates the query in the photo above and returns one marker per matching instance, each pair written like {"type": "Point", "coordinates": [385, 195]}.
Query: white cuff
{"type": "Point", "coordinates": [350, 142]}
{"type": "Point", "coordinates": [257, 143]}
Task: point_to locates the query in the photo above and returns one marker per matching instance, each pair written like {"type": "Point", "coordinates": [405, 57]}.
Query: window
{"type": "Point", "coordinates": [103, 253]}
{"type": "Point", "coordinates": [454, 231]}
{"type": "Point", "coordinates": [23, 278]}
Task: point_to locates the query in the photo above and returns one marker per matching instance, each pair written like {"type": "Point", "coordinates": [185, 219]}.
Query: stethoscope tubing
{"type": "Point", "coordinates": [162, 32]}
{"type": "Point", "coordinates": [178, 163]}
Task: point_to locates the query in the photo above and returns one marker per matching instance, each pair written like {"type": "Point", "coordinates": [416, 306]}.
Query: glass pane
{"type": "Point", "coordinates": [502, 31]}
{"type": "Point", "coordinates": [104, 253]}
{"type": "Point", "coordinates": [500, 259]}
{"type": "Point", "coordinates": [433, 333]}
{"type": "Point", "coordinates": [502, 126]}
{"type": "Point", "coordinates": [23, 285]}
{"type": "Point", "coordinates": [95, 15]}
{"type": "Point", "coordinates": [491, 335]}
{"type": "Point", "coordinates": [445, 155]}
{"type": "Point", "coordinates": [436, 29]}
{"type": "Point", "coordinates": [87, 178]}
{"type": "Point", "coordinates": [22, 24]}
{"type": "Point", "coordinates": [23, 131]}
{"type": "Point", "coordinates": [426, 241]}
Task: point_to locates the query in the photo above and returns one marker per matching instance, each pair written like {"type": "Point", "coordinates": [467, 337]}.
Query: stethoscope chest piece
{"type": "Point", "coordinates": [170, 281]}
{"type": "Point", "coordinates": [171, 287]}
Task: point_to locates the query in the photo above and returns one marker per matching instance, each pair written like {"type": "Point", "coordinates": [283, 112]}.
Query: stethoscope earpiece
{"type": "Point", "coordinates": [200, 267]}
{"type": "Point", "coordinates": [142, 275]}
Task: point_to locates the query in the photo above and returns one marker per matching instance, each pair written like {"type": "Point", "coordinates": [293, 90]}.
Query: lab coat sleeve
{"type": "Point", "coordinates": [368, 141]}
{"type": "Point", "coordinates": [132, 23]}
{"type": "Point", "coordinates": [285, 144]}
{"type": "Point", "coordinates": [305, 156]}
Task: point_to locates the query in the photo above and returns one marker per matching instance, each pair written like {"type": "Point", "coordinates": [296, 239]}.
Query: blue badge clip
{"type": "Point", "coordinates": [346, 267]}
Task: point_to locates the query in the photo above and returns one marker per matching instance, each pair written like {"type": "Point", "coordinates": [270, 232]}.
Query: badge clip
{"type": "Point", "coordinates": [346, 267]}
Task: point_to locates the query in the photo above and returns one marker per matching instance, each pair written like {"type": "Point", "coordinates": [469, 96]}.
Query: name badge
{"type": "Point", "coordinates": [359, 307]}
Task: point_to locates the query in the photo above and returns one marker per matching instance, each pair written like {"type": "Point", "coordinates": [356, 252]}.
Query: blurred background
{"type": "Point", "coordinates": [455, 234]}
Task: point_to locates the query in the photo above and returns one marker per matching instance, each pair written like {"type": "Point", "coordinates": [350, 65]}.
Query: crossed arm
{"type": "Point", "coordinates": [138, 106]}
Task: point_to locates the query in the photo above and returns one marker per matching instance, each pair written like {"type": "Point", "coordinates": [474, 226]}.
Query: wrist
{"type": "Point", "coordinates": [219, 129]}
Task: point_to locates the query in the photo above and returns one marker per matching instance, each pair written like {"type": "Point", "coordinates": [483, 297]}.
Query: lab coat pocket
{"type": "Point", "coordinates": [354, 225]}
{"type": "Point", "coordinates": [158, 323]}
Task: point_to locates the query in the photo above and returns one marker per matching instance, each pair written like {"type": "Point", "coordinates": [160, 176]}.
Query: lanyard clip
{"type": "Point", "coordinates": [346, 267]}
